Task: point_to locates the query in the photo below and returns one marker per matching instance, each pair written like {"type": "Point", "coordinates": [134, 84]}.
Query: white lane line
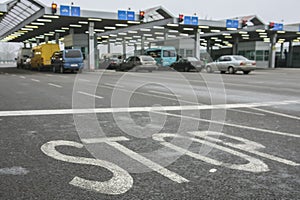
{"type": "Point", "coordinates": [61, 76]}
{"type": "Point", "coordinates": [232, 125]}
{"type": "Point", "coordinates": [164, 93]}
{"type": "Point", "coordinates": [84, 80]}
{"type": "Point", "coordinates": [35, 80]}
{"type": "Point", "coordinates": [54, 85]}
{"type": "Point", "coordinates": [113, 141]}
{"type": "Point", "coordinates": [13, 75]}
{"type": "Point", "coordinates": [23, 77]}
{"type": "Point", "coordinates": [113, 85]}
{"type": "Point", "coordinates": [247, 112]}
{"type": "Point", "coordinates": [90, 95]}
{"type": "Point", "coordinates": [277, 113]}
{"type": "Point", "coordinates": [139, 109]}
{"type": "Point", "coordinates": [49, 75]}
{"type": "Point", "coordinates": [13, 171]}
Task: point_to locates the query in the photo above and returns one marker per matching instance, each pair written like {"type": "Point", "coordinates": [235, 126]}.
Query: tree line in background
{"type": "Point", "coordinates": [9, 51]}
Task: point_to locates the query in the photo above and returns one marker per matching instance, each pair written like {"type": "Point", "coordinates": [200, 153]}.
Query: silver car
{"type": "Point", "coordinates": [231, 64]}
{"type": "Point", "coordinates": [135, 63]}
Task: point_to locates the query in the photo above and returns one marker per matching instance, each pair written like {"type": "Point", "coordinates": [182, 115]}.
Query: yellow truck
{"type": "Point", "coordinates": [41, 56]}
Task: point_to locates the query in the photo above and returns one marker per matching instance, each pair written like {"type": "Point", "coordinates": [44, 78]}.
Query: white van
{"type": "Point", "coordinates": [23, 55]}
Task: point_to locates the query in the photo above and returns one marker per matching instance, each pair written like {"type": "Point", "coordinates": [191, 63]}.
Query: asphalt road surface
{"type": "Point", "coordinates": [140, 135]}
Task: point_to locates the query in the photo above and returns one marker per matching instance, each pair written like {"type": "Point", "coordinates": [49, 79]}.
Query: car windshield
{"type": "Point", "coordinates": [147, 58]}
{"type": "Point", "coordinates": [239, 58]}
{"type": "Point", "coordinates": [192, 59]}
{"type": "Point", "coordinates": [72, 54]}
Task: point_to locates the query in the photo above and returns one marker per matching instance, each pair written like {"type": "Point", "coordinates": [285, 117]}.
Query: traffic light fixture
{"type": "Point", "coordinates": [53, 8]}
{"type": "Point", "coordinates": [271, 25]}
{"type": "Point", "coordinates": [244, 23]}
{"type": "Point", "coordinates": [142, 15]}
{"type": "Point", "coordinates": [180, 18]}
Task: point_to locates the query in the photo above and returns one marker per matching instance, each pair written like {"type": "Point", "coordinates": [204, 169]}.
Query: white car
{"type": "Point", "coordinates": [231, 64]}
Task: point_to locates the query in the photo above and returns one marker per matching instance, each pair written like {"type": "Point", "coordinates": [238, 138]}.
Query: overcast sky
{"type": "Point", "coordinates": [268, 10]}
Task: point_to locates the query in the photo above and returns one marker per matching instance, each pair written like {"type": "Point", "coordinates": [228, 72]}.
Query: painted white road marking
{"type": "Point", "coordinates": [90, 95]}
{"type": "Point", "coordinates": [113, 85]}
{"type": "Point", "coordinates": [277, 113]}
{"type": "Point", "coordinates": [84, 80]}
{"type": "Point", "coordinates": [49, 75]}
{"type": "Point", "coordinates": [13, 171]}
{"type": "Point", "coordinates": [232, 125]}
{"type": "Point", "coordinates": [120, 183]}
{"type": "Point", "coordinates": [253, 165]}
{"type": "Point", "coordinates": [140, 109]}
{"type": "Point", "coordinates": [35, 80]}
{"type": "Point", "coordinates": [213, 170]}
{"type": "Point", "coordinates": [23, 77]}
{"type": "Point", "coordinates": [54, 85]}
{"type": "Point", "coordinates": [145, 161]}
{"type": "Point", "coordinates": [13, 75]}
{"type": "Point", "coordinates": [164, 93]}
{"type": "Point", "coordinates": [249, 146]}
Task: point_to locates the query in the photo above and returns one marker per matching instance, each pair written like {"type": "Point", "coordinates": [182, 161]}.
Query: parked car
{"type": "Point", "coordinates": [67, 60]}
{"type": "Point", "coordinates": [187, 64]}
{"type": "Point", "coordinates": [136, 63]}
{"type": "Point", "coordinates": [113, 63]}
{"type": "Point", "coordinates": [231, 64]}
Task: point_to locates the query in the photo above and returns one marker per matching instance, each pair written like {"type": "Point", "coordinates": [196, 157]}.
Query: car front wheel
{"type": "Point", "coordinates": [231, 70]}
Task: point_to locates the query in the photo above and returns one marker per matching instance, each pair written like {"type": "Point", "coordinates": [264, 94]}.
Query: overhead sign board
{"type": "Point", "coordinates": [69, 11]}
{"type": "Point", "coordinates": [232, 23]}
{"type": "Point", "coordinates": [75, 11]}
{"type": "Point", "coordinates": [65, 10]}
{"type": "Point", "coordinates": [190, 20]}
{"type": "Point", "coordinates": [126, 15]}
{"type": "Point", "coordinates": [278, 27]}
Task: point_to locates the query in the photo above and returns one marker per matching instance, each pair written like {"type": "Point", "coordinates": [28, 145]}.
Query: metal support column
{"type": "Point", "coordinates": [57, 38]}
{"type": "Point", "coordinates": [91, 46]}
{"type": "Point", "coordinates": [197, 43]}
{"type": "Point", "coordinates": [135, 49]}
{"type": "Point", "coordinates": [272, 54]}
{"type": "Point", "coordinates": [46, 39]}
{"type": "Point", "coordinates": [208, 50]}
{"type": "Point", "coordinates": [108, 46]}
{"type": "Point", "coordinates": [281, 51]}
{"type": "Point", "coordinates": [235, 46]}
{"type": "Point", "coordinates": [142, 45]}
{"type": "Point", "coordinates": [37, 41]}
{"type": "Point", "coordinates": [290, 55]}
{"type": "Point", "coordinates": [124, 48]}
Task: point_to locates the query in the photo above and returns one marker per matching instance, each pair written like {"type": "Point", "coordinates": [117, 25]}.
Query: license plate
{"type": "Point", "coordinates": [74, 65]}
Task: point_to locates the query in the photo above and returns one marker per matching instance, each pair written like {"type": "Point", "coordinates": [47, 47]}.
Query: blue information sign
{"type": "Point", "coordinates": [278, 27]}
{"type": "Point", "coordinates": [75, 11]}
{"type": "Point", "coordinates": [187, 19]}
{"type": "Point", "coordinates": [122, 15]}
{"type": "Point", "coordinates": [64, 10]}
{"type": "Point", "coordinates": [232, 23]}
{"type": "Point", "coordinates": [130, 15]}
{"type": "Point", "coordinates": [195, 21]}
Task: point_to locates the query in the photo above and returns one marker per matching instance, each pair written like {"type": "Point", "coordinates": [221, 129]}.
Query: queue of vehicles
{"type": "Point", "coordinates": [50, 57]}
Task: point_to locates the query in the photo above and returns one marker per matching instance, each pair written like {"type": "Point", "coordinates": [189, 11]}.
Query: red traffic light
{"type": "Point", "coordinates": [244, 23]}
{"type": "Point", "coordinates": [53, 8]}
{"type": "Point", "coordinates": [142, 15]}
{"type": "Point", "coordinates": [180, 19]}
{"type": "Point", "coordinates": [271, 25]}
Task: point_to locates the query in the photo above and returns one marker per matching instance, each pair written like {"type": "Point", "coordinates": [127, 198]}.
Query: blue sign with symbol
{"type": "Point", "coordinates": [75, 11]}
{"type": "Point", "coordinates": [64, 10]}
{"type": "Point", "coordinates": [187, 20]}
{"type": "Point", "coordinates": [232, 23]}
{"type": "Point", "coordinates": [195, 21]}
{"type": "Point", "coordinates": [130, 15]}
{"type": "Point", "coordinates": [278, 27]}
{"type": "Point", "coordinates": [122, 15]}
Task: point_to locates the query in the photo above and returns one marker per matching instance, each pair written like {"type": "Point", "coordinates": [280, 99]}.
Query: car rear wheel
{"type": "Point", "coordinates": [61, 70]}
{"type": "Point", "coordinates": [208, 69]}
{"type": "Point", "coordinates": [231, 70]}
{"type": "Point", "coordinates": [222, 72]}
{"type": "Point", "coordinates": [186, 69]}
{"type": "Point", "coordinates": [54, 69]}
